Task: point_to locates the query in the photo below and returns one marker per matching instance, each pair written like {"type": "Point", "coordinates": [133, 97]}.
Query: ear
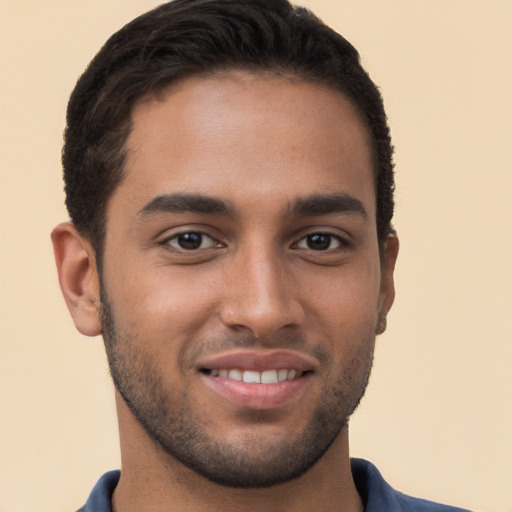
{"type": "Point", "coordinates": [78, 277]}
{"type": "Point", "coordinates": [389, 254]}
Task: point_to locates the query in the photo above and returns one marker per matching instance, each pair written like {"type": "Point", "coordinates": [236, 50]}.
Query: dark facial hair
{"type": "Point", "coordinates": [172, 422]}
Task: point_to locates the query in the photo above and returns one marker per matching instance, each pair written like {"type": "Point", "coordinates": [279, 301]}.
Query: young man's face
{"type": "Point", "coordinates": [242, 245]}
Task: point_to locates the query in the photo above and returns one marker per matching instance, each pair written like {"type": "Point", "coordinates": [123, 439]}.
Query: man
{"type": "Point", "coordinates": [229, 179]}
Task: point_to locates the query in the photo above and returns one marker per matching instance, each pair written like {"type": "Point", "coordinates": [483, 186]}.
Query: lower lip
{"type": "Point", "coordinates": [258, 396]}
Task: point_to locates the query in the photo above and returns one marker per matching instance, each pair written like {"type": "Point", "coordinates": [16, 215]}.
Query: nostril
{"type": "Point", "coordinates": [262, 322]}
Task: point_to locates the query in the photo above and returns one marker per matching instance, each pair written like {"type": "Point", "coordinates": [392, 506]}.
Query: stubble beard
{"type": "Point", "coordinates": [182, 433]}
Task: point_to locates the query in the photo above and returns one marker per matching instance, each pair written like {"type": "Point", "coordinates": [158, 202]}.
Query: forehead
{"type": "Point", "coordinates": [249, 137]}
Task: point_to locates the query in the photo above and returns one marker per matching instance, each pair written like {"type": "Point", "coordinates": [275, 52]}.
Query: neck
{"type": "Point", "coordinates": [151, 480]}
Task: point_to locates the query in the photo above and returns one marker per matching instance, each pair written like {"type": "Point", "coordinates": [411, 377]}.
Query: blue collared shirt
{"type": "Point", "coordinates": [377, 495]}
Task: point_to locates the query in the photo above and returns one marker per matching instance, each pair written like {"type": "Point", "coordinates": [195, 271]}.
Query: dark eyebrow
{"type": "Point", "coordinates": [180, 203]}
{"type": "Point", "coordinates": [324, 204]}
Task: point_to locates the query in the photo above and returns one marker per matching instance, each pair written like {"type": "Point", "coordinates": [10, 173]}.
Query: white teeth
{"type": "Point", "coordinates": [255, 377]}
{"type": "Point", "coordinates": [269, 377]}
{"type": "Point", "coordinates": [252, 377]}
{"type": "Point", "coordinates": [235, 375]}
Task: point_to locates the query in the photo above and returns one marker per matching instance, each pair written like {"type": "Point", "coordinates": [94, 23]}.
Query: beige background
{"type": "Point", "coordinates": [437, 418]}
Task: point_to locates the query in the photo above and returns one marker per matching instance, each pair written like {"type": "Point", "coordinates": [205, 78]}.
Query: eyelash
{"type": "Point", "coordinates": [201, 236]}
{"type": "Point", "coordinates": [320, 236]}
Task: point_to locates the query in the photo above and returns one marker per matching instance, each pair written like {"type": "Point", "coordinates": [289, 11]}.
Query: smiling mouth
{"type": "Point", "coordinates": [258, 381]}
{"type": "Point", "coordinates": [273, 376]}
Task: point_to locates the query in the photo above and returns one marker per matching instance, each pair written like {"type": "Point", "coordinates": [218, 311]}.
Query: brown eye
{"type": "Point", "coordinates": [191, 241]}
{"type": "Point", "coordinates": [319, 242]}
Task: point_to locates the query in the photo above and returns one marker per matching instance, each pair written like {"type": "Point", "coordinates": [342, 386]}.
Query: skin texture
{"type": "Point", "coordinates": [269, 274]}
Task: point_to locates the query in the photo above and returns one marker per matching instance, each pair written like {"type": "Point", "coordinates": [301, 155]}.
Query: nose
{"type": "Point", "coordinates": [261, 297]}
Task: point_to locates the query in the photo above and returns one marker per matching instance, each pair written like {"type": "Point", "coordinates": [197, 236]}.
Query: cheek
{"type": "Point", "coordinates": [349, 294]}
{"type": "Point", "coordinates": [162, 306]}
{"type": "Point", "coordinates": [344, 308]}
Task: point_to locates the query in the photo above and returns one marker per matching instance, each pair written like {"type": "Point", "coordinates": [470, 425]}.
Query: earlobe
{"type": "Point", "coordinates": [78, 277]}
{"type": "Point", "coordinates": [389, 255]}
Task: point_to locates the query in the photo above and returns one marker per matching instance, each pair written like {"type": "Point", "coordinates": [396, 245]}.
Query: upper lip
{"type": "Point", "coordinates": [260, 360]}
